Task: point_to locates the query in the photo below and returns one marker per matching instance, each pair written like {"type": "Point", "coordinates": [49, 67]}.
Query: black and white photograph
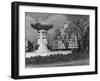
{"type": "Point", "coordinates": [53, 40]}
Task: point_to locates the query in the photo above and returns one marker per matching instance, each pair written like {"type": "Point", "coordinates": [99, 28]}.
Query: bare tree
{"type": "Point", "coordinates": [64, 38]}
{"type": "Point", "coordinates": [79, 24]}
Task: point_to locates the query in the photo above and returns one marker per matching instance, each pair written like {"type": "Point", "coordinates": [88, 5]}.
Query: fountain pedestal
{"type": "Point", "coordinates": [42, 42]}
{"type": "Point", "coordinates": [42, 37]}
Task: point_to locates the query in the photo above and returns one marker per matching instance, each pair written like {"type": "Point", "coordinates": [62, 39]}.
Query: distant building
{"type": "Point", "coordinates": [72, 42]}
{"type": "Point", "coordinates": [60, 44]}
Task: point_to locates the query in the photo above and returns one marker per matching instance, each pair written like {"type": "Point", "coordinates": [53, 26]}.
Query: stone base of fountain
{"type": "Point", "coordinates": [42, 49]}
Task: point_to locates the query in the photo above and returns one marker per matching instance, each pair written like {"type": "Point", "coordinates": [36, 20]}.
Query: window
{"type": "Point", "coordinates": [73, 41]}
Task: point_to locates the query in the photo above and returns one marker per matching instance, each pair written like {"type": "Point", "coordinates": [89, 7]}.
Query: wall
{"type": "Point", "coordinates": [5, 41]}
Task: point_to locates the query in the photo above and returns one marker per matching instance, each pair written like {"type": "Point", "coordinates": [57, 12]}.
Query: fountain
{"type": "Point", "coordinates": [42, 42]}
{"type": "Point", "coordinates": [42, 36]}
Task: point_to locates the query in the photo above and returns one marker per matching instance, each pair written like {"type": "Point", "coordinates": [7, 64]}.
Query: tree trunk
{"type": "Point", "coordinates": [81, 45]}
{"type": "Point", "coordinates": [65, 42]}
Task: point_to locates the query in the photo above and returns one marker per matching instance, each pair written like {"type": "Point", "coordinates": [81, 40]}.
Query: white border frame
{"type": "Point", "coordinates": [53, 70]}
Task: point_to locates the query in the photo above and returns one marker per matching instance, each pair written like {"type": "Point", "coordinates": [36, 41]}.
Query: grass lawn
{"type": "Point", "coordinates": [58, 60]}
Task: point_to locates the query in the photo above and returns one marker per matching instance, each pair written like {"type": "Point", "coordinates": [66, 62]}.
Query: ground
{"type": "Point", "coordinates": [72, 63]}
{"type": "Point", "coordinates": [72, 59]}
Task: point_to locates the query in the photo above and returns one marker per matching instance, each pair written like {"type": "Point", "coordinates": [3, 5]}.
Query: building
{"type": "Point", "coordinates": [72, 42]}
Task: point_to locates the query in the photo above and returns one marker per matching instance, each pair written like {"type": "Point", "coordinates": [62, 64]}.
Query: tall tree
{"type": "Point", "coordinates": [64, 38]}
{"type": "Point", "coordinates": [79, 24]}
